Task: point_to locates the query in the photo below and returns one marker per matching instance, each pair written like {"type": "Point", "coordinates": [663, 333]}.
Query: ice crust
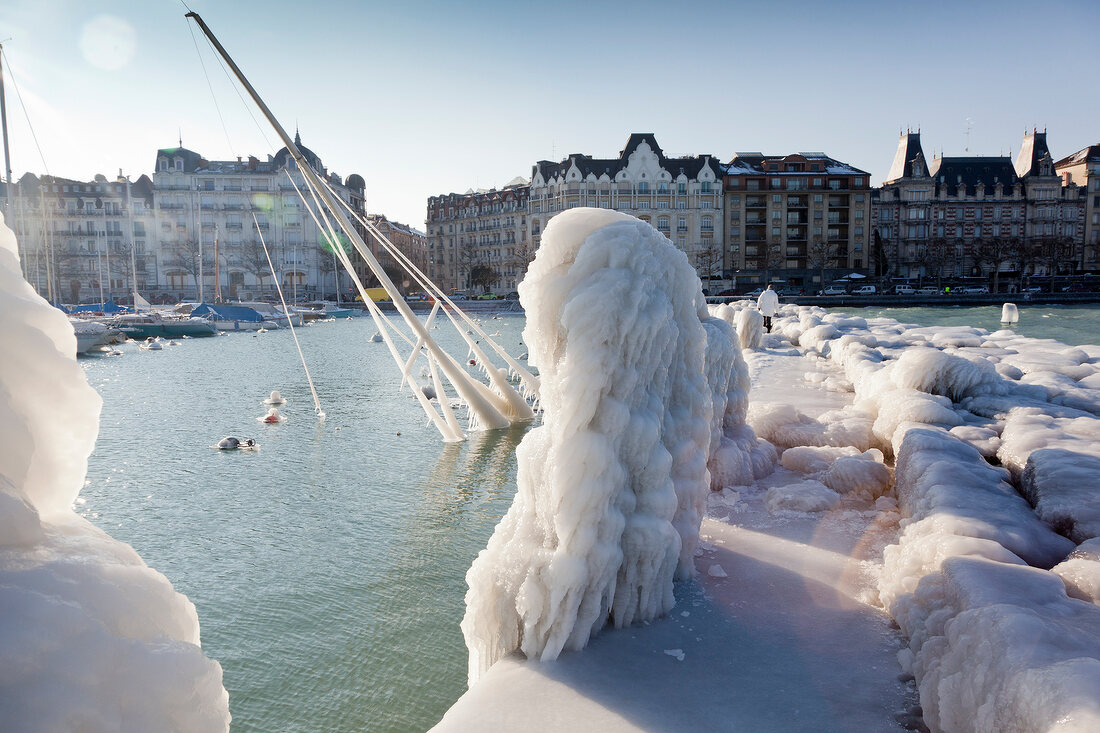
{"type": "Point", "coordinates": [642, 389]}
{"type": "Point", "coordinates": [91, 638]}
{"type": "Point", "coordinates": [997, 642]}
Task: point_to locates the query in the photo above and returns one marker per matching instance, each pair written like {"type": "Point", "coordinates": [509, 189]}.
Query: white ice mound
{"type": "Point", "coordinates": [611, 487]}
{"type": "Point", "coordinates": [90, 637]}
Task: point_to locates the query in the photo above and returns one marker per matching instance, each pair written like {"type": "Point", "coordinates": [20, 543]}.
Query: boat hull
{"type": "Point", "coordinates": [142, 331]}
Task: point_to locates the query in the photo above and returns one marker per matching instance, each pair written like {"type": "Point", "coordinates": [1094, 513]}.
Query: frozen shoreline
{"type": "Point", "coordinates": [761, 647]}
{"type": "Point", "coordinates": [991, 644]}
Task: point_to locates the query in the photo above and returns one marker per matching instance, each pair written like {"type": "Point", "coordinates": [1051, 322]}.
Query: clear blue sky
{"type": "Point", "coordinates": [423, 98]}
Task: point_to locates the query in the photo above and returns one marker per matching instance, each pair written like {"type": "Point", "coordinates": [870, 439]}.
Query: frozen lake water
{"type": "Point", "coordinates": [328, 568]}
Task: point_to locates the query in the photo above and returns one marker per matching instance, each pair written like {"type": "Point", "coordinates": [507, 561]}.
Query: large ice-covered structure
{"type": "Point", "coordinates": [91, 638]}
{"type": "Point", "coordinates": [642, 390]}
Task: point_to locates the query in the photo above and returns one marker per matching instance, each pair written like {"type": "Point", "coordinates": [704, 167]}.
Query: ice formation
{"type": "Point", "coordinates": [1003, 627]}
{"type": "Point", "coordinates": [641, 389]}
{"type": "Point", "coordinates": [91, 638]}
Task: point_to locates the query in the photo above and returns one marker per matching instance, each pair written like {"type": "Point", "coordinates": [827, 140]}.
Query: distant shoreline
{"type": "Point", "coordinates": [927, 301]}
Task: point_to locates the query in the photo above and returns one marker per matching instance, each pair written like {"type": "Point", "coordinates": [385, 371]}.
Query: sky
{"type": "Point", "coordinates": [424, 98]}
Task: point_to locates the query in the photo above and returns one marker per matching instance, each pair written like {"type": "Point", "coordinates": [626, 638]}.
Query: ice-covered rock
{"type": "Point", "coordinates": [1081, 572]}
{"type": "Point", "coordinates": [91, 638]}
{"type": "Point", "coordinates": [803, 496]}
{"type": "Point", "coordinates": [1064, 488]}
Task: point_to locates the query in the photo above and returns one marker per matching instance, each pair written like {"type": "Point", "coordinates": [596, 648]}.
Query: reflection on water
{"type": "Point", "coordinates": [328, 568]}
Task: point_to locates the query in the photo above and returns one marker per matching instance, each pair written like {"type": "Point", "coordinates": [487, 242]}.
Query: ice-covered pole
{"type": "Point", "coordinates": [487, 415]}
{"type": "Point", "coordinates": [610, 487]}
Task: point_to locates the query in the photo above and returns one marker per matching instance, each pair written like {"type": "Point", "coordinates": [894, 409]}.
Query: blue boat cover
{"type": "Point", "coordinates": [223, 312]}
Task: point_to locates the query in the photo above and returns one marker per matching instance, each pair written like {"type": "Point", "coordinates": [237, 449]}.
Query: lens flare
{"type": "Point", "coordinates": [108, 42]}
{"type": "Point", "coordinates": [263, 201]}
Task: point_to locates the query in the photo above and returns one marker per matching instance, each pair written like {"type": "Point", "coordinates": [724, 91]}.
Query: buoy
{"type": "Point", "coordinates": [173, 342]}
{"type": "Point", "coordinates": [275, 398]}
{"type": "Point", "coordinates": [272, 417]}
{"type": "Point", "coordinates": [429, 391]}
{"type": "Point", "coordinates": [1010, 313]}
{"type": "Point", "coordinates": [261, 329]}
{"type": "Point", "coordinates": [376, 338]}
{"type": "Point", "coordinates": [523, 356]}
{"type": "Point", "coordinates": [231, 443]}
{"type": "Point", "coordinates": [473, 362]}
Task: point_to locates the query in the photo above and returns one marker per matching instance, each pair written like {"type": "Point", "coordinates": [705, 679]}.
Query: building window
{"type": "Point", "coordinates": [681, 188]}
{"type": "Point", "coordinates": [681, 224]}
{"type": "Point", "coordinates": [704, 187]}
{"type": "Point", "coordinates": [776, 183]}
{"type": "Point", "coordinates": [662, 224]}
{"type": "Point", "coordinates": [707, 224]}
{"type": "Point", "coordinates": [643, 186]}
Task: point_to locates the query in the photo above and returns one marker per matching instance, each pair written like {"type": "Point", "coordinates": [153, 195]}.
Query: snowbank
{"type": "Point", "coordinates": [611, 487]}
{"type": "Point", "coordinates": [91, 638]}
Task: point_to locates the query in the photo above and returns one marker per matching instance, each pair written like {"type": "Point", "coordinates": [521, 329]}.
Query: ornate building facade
{"type": "Point", "coordinates": [800, 216]}
{"type": "Point", "coordinates": [85, 240]}
{"type": "Point", "coordinates": [204, 209]}
{"type": "Point", "coordinates": [681, 197]}
{"type": "Point", "coordinates": [984, 217]}
{"type": "Point", "coordinates": [409, 241]}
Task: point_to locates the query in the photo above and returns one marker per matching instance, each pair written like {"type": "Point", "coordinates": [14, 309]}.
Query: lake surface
{"type": "Point", "coordinates": [328, 568]}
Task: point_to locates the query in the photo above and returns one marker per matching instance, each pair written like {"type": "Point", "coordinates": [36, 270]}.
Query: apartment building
{"type": "Point", "coordinates": [407, 240]}
{"type": "Point", "coordinates": [209, 242]}
{"type": "Point", "coordinates": [979, 216]}
{"type": "Point", "coordinates": [680, 196]}
{"type": "Point", "coordinates": [1082, 169]}
{"type": "Point", "coordinates": [479, 240]}
{"type": "Point", "coordinates": [84, 240]}
{"type": "Point", "coordinates": [796, 217]}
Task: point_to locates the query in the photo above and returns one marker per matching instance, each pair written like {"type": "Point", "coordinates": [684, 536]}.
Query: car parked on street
{"type": "Point", "coordinates": [834, 290]}
{"type": "Point", "coordinates": [865, 290]}
{"type": "Point", "coordinates": [904, 290]}
{"type": "Point", "coordinates": [972, 290]}
{"type": "Point", "coordinates": [928, 290]}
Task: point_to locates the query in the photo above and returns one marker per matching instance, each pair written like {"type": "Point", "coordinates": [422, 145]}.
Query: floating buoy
{"type": "Point", "coordinates": [173, 342]}
{"type": "Point", "coordinates": [272, 417]}
{"type": "Point", "coordinates": [231, 443]}
{"type": "Point", "coordinates": [275, 398]}
{"type": "Point", "coordinates": [429, 391]}
{"type": "Point", "coordinates": [185, 336]}
{"type": "Point", "coordinates": [473, 362]}
{"type": "Point", "coordinates": [1010, 313]}
{"type": "Point", "coordinates": [376, 338]}
{"type": "Point", "coordinates": [261, 329]}
{"type": "Point", "coordinates": [523, 356]}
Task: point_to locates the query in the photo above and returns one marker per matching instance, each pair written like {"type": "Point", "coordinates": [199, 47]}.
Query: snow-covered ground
{"type": "Point", "coordinates": [889, 574]}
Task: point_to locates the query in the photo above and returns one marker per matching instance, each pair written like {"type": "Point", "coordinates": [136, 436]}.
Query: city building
{"type": "Point", "coordinates": [206, 232]}
{"type": "Point", "coordinates": [680, 197]}
{"type": "Point", "coordinates": [802, 218]}
{"type": "Point", "coordinates": [478, 240]}
{"type": "Point", "coordinates": [84, 240]}
{"type": "Point", "coordinates": [409, 241]}
{"type": "Point", "coordinates": [978, 216]}
{"type": "Point", "coordinates": [1083, 170]}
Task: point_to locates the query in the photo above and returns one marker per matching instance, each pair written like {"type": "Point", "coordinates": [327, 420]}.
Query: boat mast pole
{"type": "Point", "coordinates": [487, 414]}
{"type": "Point", "coordinates": [130, 236]}
{"type": "Point", "coordinates": [7, 157]}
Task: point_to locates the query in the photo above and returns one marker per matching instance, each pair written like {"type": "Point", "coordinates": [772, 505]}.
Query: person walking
{"type": "Point", "coordinates": [768, 303]}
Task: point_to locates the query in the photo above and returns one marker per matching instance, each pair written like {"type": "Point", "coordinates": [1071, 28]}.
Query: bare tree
{"type": "Point", "coordinates": [772, 259]}
{"type": "Point", "coordinates": [994, 253]}
{"type": "Point", "coordinates": [708, 259]}
{"type": "Point", "coordinates": [933, 256]}
{"type": "Point", "coordinates": [819, 255]}
{"type": "Point", "coordinates": [254, 261]}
